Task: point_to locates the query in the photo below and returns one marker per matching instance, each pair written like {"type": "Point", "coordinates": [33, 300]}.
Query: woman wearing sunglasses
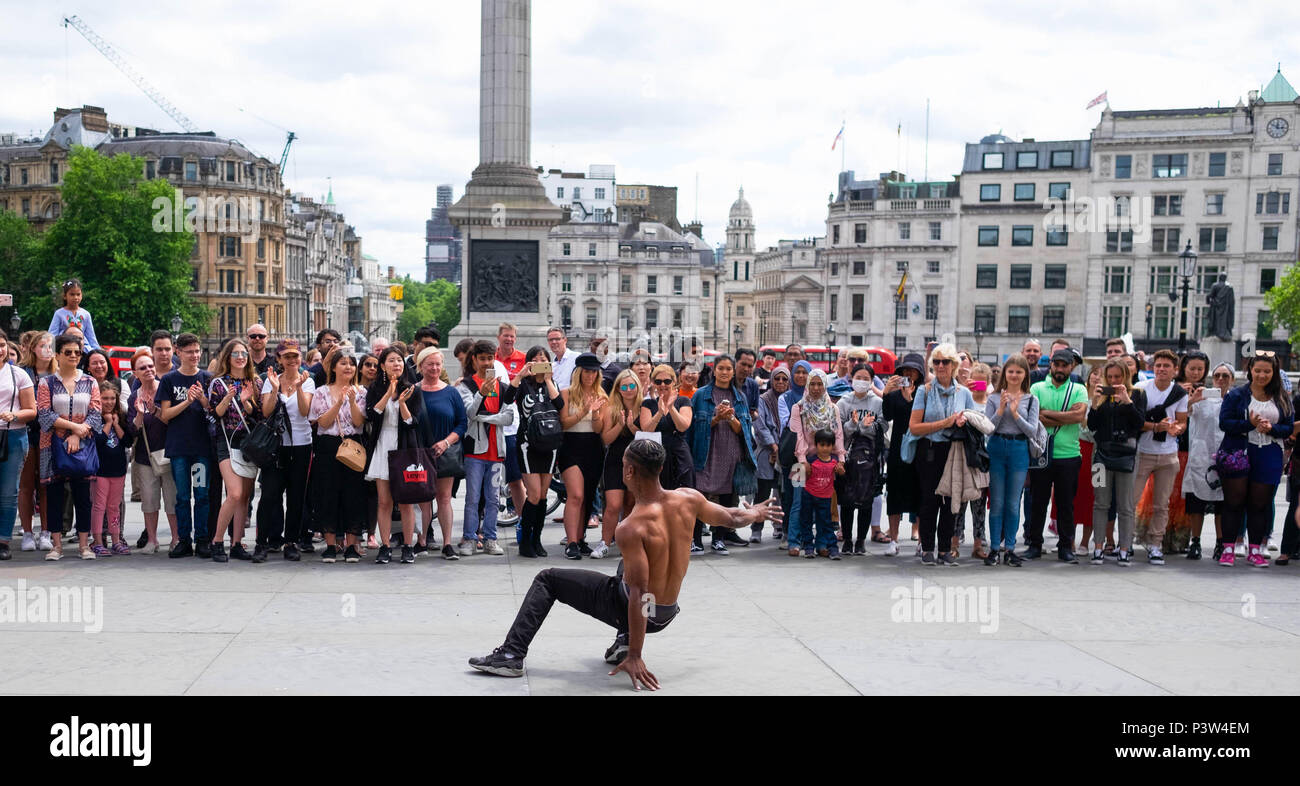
{"type": "Point", "coordinates": [68, 408]}
{"type": "Point", "coordinates": [670, 414]}
{"type": "Point", "coordinates": [235, 399]}
{"type": "Point", "coordinates": [367, 373]}
{"type": "Point", "coordinates": [532, 391]}
{"type": "Point", "coordinates": [938, 408]}
{"type": "Point", "coordinates": [617, 430]}
{"type": "Point", "coordinates": [1200, 495]}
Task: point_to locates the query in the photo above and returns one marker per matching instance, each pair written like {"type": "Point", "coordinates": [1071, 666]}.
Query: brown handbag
{"type": "Point", "coordinates": [352, 454]}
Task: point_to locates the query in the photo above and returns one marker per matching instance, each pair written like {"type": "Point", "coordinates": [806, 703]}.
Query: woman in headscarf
{"type": "Point", "coordinates": [814, 412]}
{"type": "Point", "coordinates": [798, 380]}
{"type": "Point", "coordinates": [767, 438]}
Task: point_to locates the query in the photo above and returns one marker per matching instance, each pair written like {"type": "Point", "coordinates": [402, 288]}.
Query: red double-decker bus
{"type": "Point", "coordinates": [881, 360]}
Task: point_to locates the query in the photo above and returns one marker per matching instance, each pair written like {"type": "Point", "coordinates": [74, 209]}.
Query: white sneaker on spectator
{"type": "Point", "coordinates": [466, 548]}
{"type": "Point", "coordinates": [892, 549]}
{"type": "Point", "coordinates": [29, 542]}
{"type": "Point", "coordinates": [599, 551]}
{"type": "Point", "coordinates": [45, 544]}
{"type": "Point", "coordinates": [1241, 550]}
{"type": "Point", "coordinates": [491, 547]}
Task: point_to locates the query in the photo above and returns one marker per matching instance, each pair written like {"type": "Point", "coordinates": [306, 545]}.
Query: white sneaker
{"type": "Point", "coordinates": [45, 544]}
{"type": "Point", "coordinates": [54, 555]}
{"type": "Point", "coordinates": [466, 548]}
{"type": "Point", "coordinates": [491, 547]}
{"type": "Point", "coordinates": [600, 550]}
{"type": "Point", "coordinates": [1241, 550]}
{"type": "Point", "coordinates": [892, 549]}
{"type": "Point", "coordinates": [29, 542]}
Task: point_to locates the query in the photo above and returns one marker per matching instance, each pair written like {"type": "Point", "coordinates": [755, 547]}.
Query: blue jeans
{"type": "Point", "coordinates": [1008, 465]}
{"type": "Point", "coordinates": [819, 511]}
{"type": "Point", "coordinates": [483, 479]}
{"type": "Point", "coordinates": [196, 470]}
{"type": "Point", "coordinates": [10, 470]}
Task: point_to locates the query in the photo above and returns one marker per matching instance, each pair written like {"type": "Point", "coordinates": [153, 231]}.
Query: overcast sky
{"type": "Point", "coordinates": [384, 95]}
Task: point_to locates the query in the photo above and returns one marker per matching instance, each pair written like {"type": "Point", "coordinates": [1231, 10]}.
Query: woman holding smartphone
{"type": "Point", "coordinates": [534, 392]}
{"type": "Point", "coordinates": [1115, 418]}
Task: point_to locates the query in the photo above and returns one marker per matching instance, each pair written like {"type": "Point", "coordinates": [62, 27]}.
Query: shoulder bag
{"type": "Point", "coordinates": [242, 466]}
{"type": "Point", "coordinates": [158, 461]}
{"type": "Point", "coordinates": [4, 434]}
{"type": "Point", "coordinates": [1045, 456]}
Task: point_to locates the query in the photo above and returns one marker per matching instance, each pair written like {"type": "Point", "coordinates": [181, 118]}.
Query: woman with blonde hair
{"type": "Point", "coordinates": [582, 454]}
{"type": "Point", "coordinates": [617, 430]}
{"type": "Point", "coordinates": [666, 411]}
{"type": "Point", "coordinates": [236, 399]}
{"type": "Point", "coordinates": [938, 409]}
{"type": "Point", "coordinates": [36, 357]}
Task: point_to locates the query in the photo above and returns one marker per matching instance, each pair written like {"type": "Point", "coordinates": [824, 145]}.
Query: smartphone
{"type": "Point", "coordinates": [541, 368]}
{"type": "Point", "coordinates": [906, 383]}
{"type": "Point", "coordinates": [489, 373]}
{"type": "Point", "coordinates": [1108, 390]}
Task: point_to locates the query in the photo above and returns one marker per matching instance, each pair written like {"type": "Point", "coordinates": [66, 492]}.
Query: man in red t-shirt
{"type": "Point", "coordinates": [510, 357]}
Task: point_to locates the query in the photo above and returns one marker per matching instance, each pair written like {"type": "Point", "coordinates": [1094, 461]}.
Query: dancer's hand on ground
{"type": "Point", "coordinates": [635, 668]}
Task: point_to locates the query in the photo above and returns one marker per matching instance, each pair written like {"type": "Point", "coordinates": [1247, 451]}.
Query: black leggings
{"type": "Point", "coordinates": [55, 495]}
{"type": "Point", "coordinates": [715, 533]}
{"type": "Point", "coordinates": [936, 511]}
{"type": "Point", "coordinates": [284, 496]}
{"type": "Point", "coordinates": [847, 509]}
{"type": "Point", "coordinates": [1243, 499]}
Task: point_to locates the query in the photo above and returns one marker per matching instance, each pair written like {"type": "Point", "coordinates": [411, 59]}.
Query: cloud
{"type": "Point", "coordinates": [384, 95]}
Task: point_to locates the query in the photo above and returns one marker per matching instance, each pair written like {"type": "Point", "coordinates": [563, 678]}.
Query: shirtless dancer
{"type": "Point", "coordinates": [641, 597]}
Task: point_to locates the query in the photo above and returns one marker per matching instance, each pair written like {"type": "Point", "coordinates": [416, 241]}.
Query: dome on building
{"type": "Point", "coordinates": [995, 139]}
{"type": "Point", "coordinates": [741, 212]}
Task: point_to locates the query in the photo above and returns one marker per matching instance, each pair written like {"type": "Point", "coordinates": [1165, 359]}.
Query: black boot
{"type": "Point", "coordinates": [539, 521]}
{"type": "Point", "coordinates": [1194, 549]}
{"type": "Point", "coordinates": [526, 532]}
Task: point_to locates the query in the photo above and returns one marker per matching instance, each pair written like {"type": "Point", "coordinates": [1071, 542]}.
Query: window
{"type": "Point", "coordinates": [591, 282]}
{"type": "Point", "coordinates": [900, 308]}
{"type": "Point", "coordinates": [1218, 163]}
{"type": "Point", "coordinates": [651, 317]}
{"type": "Point", "coordinates": [591, 318]}
{"type": "Point", "coordinates": [1169, 205]}
{"type": "Point", "coordinates": [992, 160]}
{"type": "Point", "coordinates": [191, 170]}
{"type": "Point", "coordinates": [261, 248]}
{"type": "Point", "coordinates": [1214, 239]}
{"type": "Point", "coordinates": [652, 284]}
{"type": "Point", "coordinates": [904, 230]}
{"type": "Point", "coordinates": [23, 176]}
{"type": "Point", "coordinates": [859, 267]}
{"type": "Point", "coordinates": [677, 318]}
{"type": "Point", "coordinates": [1275, 163]}
{"type": "Point", "coordinates": [600, 193]}
{"type": "Point", "coordinates": [1062, 158]}
{"type": "Point", "coordinates": [559, 192]}
{"type": "Point", "coordinates": [936, 230]}
{"type": "Point", "coordinates": [601, 215]}
{"type": "Point", "coordinates": [1264, 325]}
{"type": "Point", "coordinates": [1206, 277]}
{"type": "Point", "coordinates": [900, 345]}
{"type": "Point", "coordinates": [990, 192]}
{"type": "Point", "coordinates": [230, 247]}
{"type": "Point", "coordinates": [986, 318]}
{"type": "Point", "coordinates": [859, 233]}
{"type": "Point", "coordinates": [1058, 191]}
{"type": "Point", "coordinates": [567, 250]}
{"type": "Point", "coordinates": [932, 266]}
{"type": "Point", "coordinates": [1270, 237]}
{"type": "Point", "coordinates": [1118, 242]}
{"type": "Point", "coordinates": [1123, 171]}
{"type": "Point", "coordinates": [1169, 165]}
{"type": "Point", "coordinates": [230, 171]}
{"type": "Point", "coordinates": [261, 285]}
{"type": "Point", "coordinates": [1118, 280]}
{"type": "Point", "coordinates": [1164, 240]}
{"type": "Point", "coordinates": [1058, 236]}
{"type": "Point", "coordinates": [704, 287]}
{"type": "Point", "coordinates": [577, 192]}
{"type": "Point", "coordinates": [1054, 277]}
{"type": "Point", "coordinates": [54, 171]}
{"type": "Point", "coordinates": [1027, 160]}
{"type": "Point", "coordinates": [907, 192]}
{"type": "Point", "coordinates": [1162, 280]}
{"type": "Point", "coordinates": [740, 310]}
{"type": "Point", "coordinates": [835, 235]}
{"type": "Point", "coordinates": [901, 266]}
{"type": "Point", "coordinates": [988, 236]}
{"type": "Point", "coordinates": [835, 307]}
{"type": "Point", "coordinates": [1273, 202]}
{"type": "Point", "coordinates": [931, 307]}
{"type": "Point", "coordinates": [1021, 276]}
{"type": "Point", "coordinates": [1123, 206]}
{"type": "Point", "coordinates": [1114, 320]}
{"type": "Point", "coordinates": [1022, 236]}
{"type": "Point", "coordinates": [986, 276]}
{"type": "Point", "coordinates": [859, 307]}
{"type": "Point", "coordinates": [652, 252]}
{"type": "Point", "coordinates": [1018, 319]}
{"type": "Point", "coordinates": [1214, 204]}
{"type": "Point", "coordinates": [1267, 279]}
{"type": "Point", "coordinates": [677, 285]}
{"type": "Point", "coordinates": [566, 282]}
{"type": "Point", "coordinates": [1024, 192]}
{"type": "Point", "coordinates": [591, 249]}
{"type": "Point", "coordinates": [857, 341]}
{"type": "Point", "coordinates": [150, 170]}
{"type": "Point", "coordinates": [1162, 321]}
{"type": "Point", "coordinates": [1053, 320]}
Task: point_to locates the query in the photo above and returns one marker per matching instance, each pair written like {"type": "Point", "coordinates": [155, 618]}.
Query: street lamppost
{"type": "Point", "coordinates": [979, 340]}
{"type": "Point", "coordinates": [829, 334]}
{"type": "Point", "coordinates": [1186, 269]}
{"type": "Point", "coordinates": [738, 331]}
{"type": "Point", "coordinates": [15, 322]}
{"type": "Point", "coordinates": [1150, 310]}
{"type": "Point", "coordinates": [728, 324]}
{"type": "Point", "coordinates": [177, 323]}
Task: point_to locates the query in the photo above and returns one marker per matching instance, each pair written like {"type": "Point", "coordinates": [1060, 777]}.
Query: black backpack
{"type": "Point", "coordinates": [862, 473]}
{"type": "Point", "coordinates": [544, 429]}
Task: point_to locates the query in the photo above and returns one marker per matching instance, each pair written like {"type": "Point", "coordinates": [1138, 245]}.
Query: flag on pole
{"type": "Point", "coordinates": [838, 137]}
{"type": "Point", "coordinates": [1099, 99]}
{"type": "Point", "coordinates": [901, 286]}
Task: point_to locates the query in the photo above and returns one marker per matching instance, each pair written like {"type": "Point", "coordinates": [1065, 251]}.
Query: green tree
{"type": "Point", "coordinates": [1284, 303]}
{"type": "Point", "coordinates": [21, 274]}
{"type": "Point", "coordinates": [424, 303]}
{"type": "Point", "coordinates": [134, 276]}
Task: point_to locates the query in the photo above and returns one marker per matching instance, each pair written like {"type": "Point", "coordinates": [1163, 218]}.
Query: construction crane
{"type": "Point", "coordinates": [109, 52]}
{"type": "Point", "coordinates": [288, 140]}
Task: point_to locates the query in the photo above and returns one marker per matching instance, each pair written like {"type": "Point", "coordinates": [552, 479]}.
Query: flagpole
{"type": "Point", "coordinates": [844, 143]}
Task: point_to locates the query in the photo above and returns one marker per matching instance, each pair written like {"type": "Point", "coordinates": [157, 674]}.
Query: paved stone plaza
{"type": "Point", "coordinates": [754, 622]}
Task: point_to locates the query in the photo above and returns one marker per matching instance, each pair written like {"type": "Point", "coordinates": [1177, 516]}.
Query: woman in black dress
{"type": "Point", "coordinates": [617, 432]}
{"type": "Point", "coordinates": [670, 414]}
{"type": "Point", "coordinates": [528, 392]}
